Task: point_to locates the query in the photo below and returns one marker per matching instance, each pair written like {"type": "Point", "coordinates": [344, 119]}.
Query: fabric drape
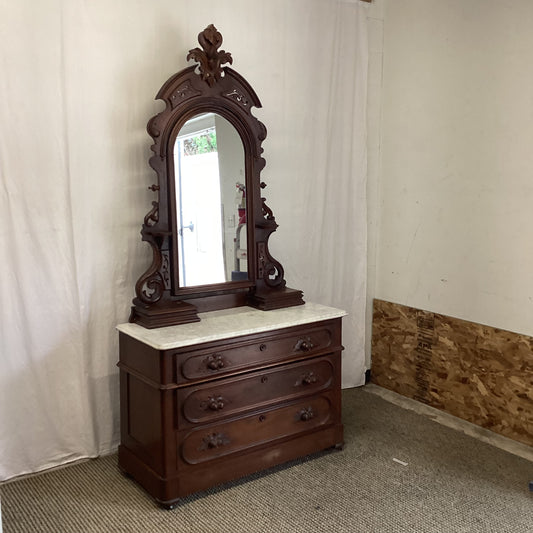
{"type": "Point", "coordinates": [77, 89]}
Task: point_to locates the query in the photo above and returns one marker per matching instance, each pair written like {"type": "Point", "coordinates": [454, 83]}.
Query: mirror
{"type": "Point", "coordinates": [209, 226]}
{"type": "Point", "coordinates": [210, 202]}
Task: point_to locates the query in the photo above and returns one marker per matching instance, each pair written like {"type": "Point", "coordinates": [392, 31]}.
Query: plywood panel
{"type": "Point", "coordinates": [476, 372]}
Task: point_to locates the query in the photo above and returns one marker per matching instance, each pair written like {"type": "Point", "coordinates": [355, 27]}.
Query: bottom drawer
{"type": "Point", "coordinates": [211, 442]}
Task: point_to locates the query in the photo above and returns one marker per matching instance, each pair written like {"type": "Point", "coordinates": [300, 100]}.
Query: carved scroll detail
{"type": "Point", "coordinates": [268, 269]}
{"type": "Point", "coordinates": [238, 97]}
{"type": "Point", "coordinates": [152, 216]}
{"type": "Point", "coordinates": [184, 91]}
{"type": "Point", "coordinates": [165, 269]}
{"type": "Point", "coordinates": [261, 259]}
{"type": "Point", "coordinates": [267, 212]}
{"type": "Point", "coordinates": [210, 59]}
{"type": "Point", "coordinates": [150, 286]}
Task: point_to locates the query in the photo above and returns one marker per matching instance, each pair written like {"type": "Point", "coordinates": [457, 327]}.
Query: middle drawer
{"type": "Point", "coordinates": [227, 397]}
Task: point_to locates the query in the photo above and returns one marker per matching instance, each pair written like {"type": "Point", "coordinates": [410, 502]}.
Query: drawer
{"type": "Point", "coordinates": [219, 440]}
{"type": "Point", "coordinates": [214, 401]}
{"type": "Point", "coordinates": [247, 352]}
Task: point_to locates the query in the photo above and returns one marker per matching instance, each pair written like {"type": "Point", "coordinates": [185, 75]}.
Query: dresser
{"type": "Point", "coordinates": [239, 391]}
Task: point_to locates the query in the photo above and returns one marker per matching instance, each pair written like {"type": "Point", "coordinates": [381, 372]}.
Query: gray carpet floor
{"type": "Point", "coordinates": [451, 483]}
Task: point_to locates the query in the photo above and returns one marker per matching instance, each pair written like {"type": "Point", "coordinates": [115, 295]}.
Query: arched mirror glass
{"type": "Point", "coordinates": [209, 173]}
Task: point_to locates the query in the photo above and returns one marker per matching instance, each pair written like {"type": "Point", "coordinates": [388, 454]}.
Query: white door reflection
{"type": "Point", "coordinates": [209, 197]}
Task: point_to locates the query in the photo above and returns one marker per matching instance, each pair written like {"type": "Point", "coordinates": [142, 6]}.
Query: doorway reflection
{"type": "Point", "coordinates": [210, 202]}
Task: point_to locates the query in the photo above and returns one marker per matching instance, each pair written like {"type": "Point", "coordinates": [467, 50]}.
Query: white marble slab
{"type": "Point", "coordinates": [228, 323]}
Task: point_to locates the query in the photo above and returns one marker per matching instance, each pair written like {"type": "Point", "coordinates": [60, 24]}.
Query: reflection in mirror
{"type": "Point", "coordinates": [210, 202]}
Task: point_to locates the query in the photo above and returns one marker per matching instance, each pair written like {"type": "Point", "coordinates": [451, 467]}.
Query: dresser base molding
{"type": "Point", "coordinates": [168, 491]}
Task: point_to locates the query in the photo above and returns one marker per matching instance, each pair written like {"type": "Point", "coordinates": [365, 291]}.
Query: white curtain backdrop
{"type": "Point", "coordinates": [77, 89]}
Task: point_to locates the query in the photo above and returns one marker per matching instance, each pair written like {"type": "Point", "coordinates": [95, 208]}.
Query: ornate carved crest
{"type": "Point", "coordinates": [210, 59]}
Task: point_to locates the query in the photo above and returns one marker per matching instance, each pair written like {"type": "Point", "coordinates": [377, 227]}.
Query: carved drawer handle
{"type": "Point", "coordinates": [214, 440]}
{"type": "Point", "coordinates": [263, 347]}
{"type": "Point", "coordinates": [215, 362]}
{"type": "Point", "coordinates": [309, 379]}
{"type": "Point", "coordinates": [304, 345]}
{"type": "Point", "coordinates": [306, 414]}
{"type": "Point", "coordinates": [215, 403]}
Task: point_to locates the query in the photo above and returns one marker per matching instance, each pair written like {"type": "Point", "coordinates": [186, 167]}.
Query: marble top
{"type": "Point", "coordinates": [228, 323]}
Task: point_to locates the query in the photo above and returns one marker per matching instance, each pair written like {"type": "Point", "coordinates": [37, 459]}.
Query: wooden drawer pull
{"type": "Point", "coordinates": [215, 403]}
{"type": "Point", "coordinates": [215, 362]}
{"type": "Point", "coordinates": [304, 345]}
{"type": "Point", "coordinates": [309, 379]}
{"type": "Point", "coordinates": [306, 414]}
{"type": "Point", "coordinates": [214, 440]}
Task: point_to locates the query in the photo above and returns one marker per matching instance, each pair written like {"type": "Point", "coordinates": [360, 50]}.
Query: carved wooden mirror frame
{"type": "Point", "coordinates": [206, 87]}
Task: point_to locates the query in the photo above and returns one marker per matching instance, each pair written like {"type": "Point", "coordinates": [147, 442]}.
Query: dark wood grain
{"type": "Point", "coordinates": [183, 431]}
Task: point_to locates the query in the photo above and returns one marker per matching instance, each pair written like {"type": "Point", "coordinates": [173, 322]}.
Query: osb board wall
{"type": "Point", "coordinates": [475, 372]}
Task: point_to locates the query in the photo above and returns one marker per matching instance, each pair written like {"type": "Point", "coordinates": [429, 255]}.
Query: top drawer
{"type": "Point", "coordinates": [254, 351]}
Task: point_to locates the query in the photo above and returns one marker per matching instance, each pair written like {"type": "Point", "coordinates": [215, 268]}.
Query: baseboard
{"type": "Point", "coordinates": [445, 419]}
